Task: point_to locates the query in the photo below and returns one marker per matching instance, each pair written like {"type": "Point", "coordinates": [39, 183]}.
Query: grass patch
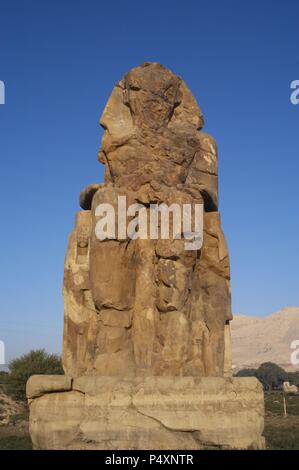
{"type": "Point", "coordinates": [281, 433]}
{"type": "Point", "coordinates": [15, 443]}
{"type": "Point", "coordinates": [274, 404]}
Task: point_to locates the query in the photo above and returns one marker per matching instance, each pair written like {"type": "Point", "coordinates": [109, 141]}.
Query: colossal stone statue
{"type": "Point", "coordinates": [149, 307]}
{"type": "Point", "coordinates": [146, 344]}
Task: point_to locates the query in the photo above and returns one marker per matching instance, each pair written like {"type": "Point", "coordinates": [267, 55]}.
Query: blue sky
{"type": "Point", "coordinates": [60, 60]}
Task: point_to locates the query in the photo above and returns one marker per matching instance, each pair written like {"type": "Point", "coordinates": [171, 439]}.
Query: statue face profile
{"type": "Point", "coordinates": [146, 344]}
{"type": "Point", "coordinates": [149, 306]}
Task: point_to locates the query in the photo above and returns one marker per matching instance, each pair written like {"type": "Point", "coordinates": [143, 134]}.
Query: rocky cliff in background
{"type": "Point", "coordinates": [261, 339]}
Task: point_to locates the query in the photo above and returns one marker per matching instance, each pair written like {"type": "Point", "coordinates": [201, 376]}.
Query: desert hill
{"type": "Point", "coordinates": [260, 339]}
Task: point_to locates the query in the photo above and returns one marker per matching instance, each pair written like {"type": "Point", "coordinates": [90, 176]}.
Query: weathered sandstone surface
{"type": "Point", "coordinates": [146, 321]}
{"type": "Point", "coordinates": [148, 413]}
{"type": "Point", "coordinates": [149, 307]}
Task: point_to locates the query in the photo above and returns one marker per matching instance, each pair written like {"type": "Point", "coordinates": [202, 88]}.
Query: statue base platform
{"type": "Point", "coordinates": [99, 412]}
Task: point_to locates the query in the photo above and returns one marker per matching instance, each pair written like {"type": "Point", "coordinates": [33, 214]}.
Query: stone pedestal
{"type": "Point", "coordinates": [92, 412]}
{"type": "Point", "coordinates": [146, 343]}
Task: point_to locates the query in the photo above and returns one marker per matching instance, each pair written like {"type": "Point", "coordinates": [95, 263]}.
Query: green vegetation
{"type": "Point", "coordinates": [3, 377]}
{"type": "Point", "coordinates": [271, 376]}
{"type": "Point", "coordinates": [15, 442]}
{"type": "Point", "coordinates": [274, 404]}
{"type": "Point", "coordinates": [281, 433]}
{"type": "Point", "coordinates": [14, 434]}
{"type": "Point", "coordinates": [20, 369]}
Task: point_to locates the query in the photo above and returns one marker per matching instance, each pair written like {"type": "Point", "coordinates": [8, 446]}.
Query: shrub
{"type": "Point", "coordinates": [35, 362]}
{"type": "Point", "coordinates": [246, 373]}
{"type": "Point", "coordinates": [270, 375]}
{"type": "Point", "coordinates": [3, 377]}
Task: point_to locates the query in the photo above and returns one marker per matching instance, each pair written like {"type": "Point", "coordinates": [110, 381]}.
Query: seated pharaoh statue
{"type": "Point", "coordinates": [149, 306]}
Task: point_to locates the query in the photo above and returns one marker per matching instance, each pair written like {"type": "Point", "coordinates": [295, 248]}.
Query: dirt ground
{"type": "Point", "coordinates": [14, 433]}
